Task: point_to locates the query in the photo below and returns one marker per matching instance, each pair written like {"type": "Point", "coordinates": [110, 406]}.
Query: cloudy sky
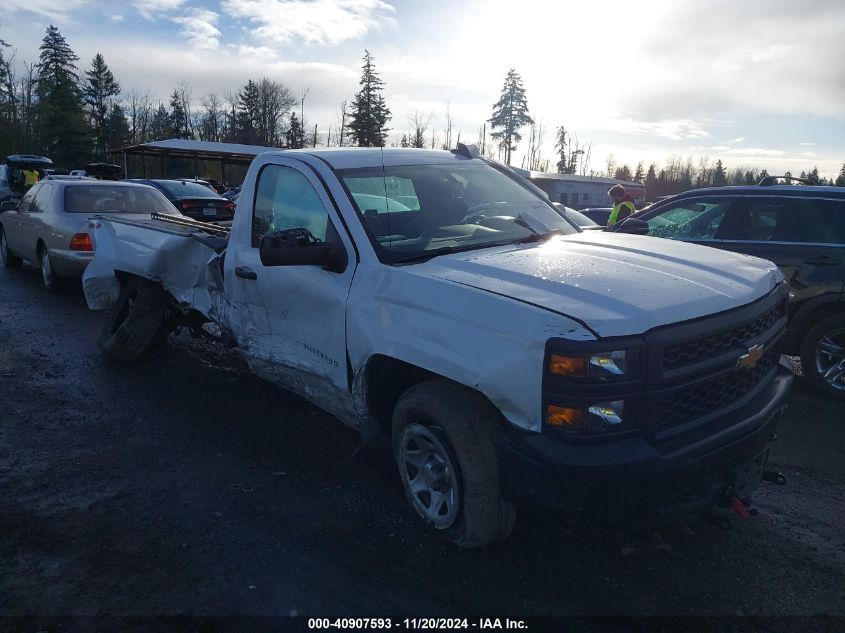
{"type": "Point", "coordinates": [753, 82]}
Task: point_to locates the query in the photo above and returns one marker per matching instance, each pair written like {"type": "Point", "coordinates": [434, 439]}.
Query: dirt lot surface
{"type": "Point", "coordinates": [182, 485]}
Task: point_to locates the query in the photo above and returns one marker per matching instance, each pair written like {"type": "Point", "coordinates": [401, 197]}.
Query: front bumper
{"type": "Point", "coordinates": [633, 478]}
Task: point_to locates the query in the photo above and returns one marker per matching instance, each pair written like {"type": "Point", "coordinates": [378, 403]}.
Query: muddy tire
{"type": "Point", "coordinates": [444, 443]}
{"type": "Point", "coordinates": [134, 321]}
{"type": "Point", "coordinates": [9, 259]}
{"type": "Point", "coordinates": [823, 356]}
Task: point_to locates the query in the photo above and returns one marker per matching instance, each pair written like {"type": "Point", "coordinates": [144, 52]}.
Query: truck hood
{"type": "Point", "coordinates": [615, 284]}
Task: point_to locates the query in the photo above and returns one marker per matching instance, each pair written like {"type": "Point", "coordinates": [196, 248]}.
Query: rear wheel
{"type": "Point", "coordinates": [134, 321]}
{"type": "Point", "coordinates": [49, 278]}
{"type": "Point", "coordinates": [823, 356]}
{"type": "Point", "coordinates": [9, 259]}
{"type": "Point", "coordinates": [444, 442]}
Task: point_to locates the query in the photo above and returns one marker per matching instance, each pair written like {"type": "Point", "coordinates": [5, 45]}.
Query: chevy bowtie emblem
{"type": "Point", "coordinates": [749, 360]}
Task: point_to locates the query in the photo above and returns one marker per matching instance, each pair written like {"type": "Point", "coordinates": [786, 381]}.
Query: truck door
{"type": "Point", "coordinates": [290, 321]}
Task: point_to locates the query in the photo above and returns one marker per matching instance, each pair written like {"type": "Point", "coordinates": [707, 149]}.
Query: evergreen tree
{"type": "Point", "coordinates": [369, 112]}
{"type": "Point", "coordinates": [177, 116]}
{"type": "Point", "coordinates": [560, 147]}
{"type": "Point", "coordinates": [295, 136]}
{"type": "Point", "coordinates": [404, 142]}
{"type": "Point", "coordinates": [720, 178]}
{"type": "Point", "coordinates": [813, 176]}
{"type": "Point", "coordinates": [62, 124]}
{"type": "Point", "coordinates": [117, 132]}
{"type": "Point", "coordinates": [98, 90]}
{"type": "Point", "coordinates": [247, 115]}
{"type": "Point", "coordinates": [651, 181]}
{"type": "Point", "coordinates": [640, 174]}
{"type": "Point", "coordinates": [510, 113]}
{"type": "Point", "coordinates": [623, 173]}
{"type": "Point", "coordinates": [840, 179]}
{"type": "Point", "coordinates": [160, 128]}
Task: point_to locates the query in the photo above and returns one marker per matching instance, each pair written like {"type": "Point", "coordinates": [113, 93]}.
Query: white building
{"type": "Point", "coordinates": [581, 192]}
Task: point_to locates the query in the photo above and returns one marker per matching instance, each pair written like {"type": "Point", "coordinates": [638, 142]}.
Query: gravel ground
{"type": "Point", "coordinates": [183, 486]}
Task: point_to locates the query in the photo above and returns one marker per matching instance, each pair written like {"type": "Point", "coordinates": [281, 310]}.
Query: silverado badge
{"type": "Point", "coordinates": [750, 359]}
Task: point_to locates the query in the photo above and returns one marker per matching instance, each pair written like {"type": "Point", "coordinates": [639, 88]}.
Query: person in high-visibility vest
{"type": "Point", "coordinates": [623, 204]}
{"type": "Point", "coordinates": [30, 177]}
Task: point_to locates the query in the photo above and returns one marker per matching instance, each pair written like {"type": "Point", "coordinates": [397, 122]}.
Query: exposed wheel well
{"type": "Point", "coordinates": [386, 379]}
{"type": "Point", "coordinates": [40, 246]}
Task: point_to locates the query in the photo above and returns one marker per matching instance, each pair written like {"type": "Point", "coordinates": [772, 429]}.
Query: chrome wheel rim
{"type": "Point", "coordinates": [830, 358]}
{"type": "Point", "coordinates": [46, 270]}
{"type": "Point", "coordinates": [429, 475]}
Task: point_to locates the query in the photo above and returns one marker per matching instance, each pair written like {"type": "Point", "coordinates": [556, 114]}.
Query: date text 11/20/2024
{"type": "Point", "coordinates": [417, 623]}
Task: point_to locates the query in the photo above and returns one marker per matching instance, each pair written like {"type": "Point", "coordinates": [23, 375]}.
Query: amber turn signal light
{"type": "Point", "coordinates": [564, 417]}
{"type": "Point", "coordinates": [560, 365]}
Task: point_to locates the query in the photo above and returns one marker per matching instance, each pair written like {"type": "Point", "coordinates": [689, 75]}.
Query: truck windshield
{"type": "Point", "coordinates": [115, 199]}
{"type": "Point", "coordinates": [418, 211]}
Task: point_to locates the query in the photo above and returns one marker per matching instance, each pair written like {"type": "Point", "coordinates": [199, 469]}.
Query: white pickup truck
{"type": "Point", "coordinates": [442, 300]}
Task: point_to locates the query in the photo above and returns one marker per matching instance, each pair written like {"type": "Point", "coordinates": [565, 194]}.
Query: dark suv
{"type": "Point", "coordinates": [799, 228]}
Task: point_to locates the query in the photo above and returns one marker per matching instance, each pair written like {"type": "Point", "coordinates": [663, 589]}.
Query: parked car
{"type": "Point", "coordinates": [584, 223]}
{"type": "Point", "coordinates": [50, 226]}
{"type": "Point", "coordinates": [196, 200]}
{"type": "Point", "coordinates": [599, 215]}
{"type": "Point", "coordinates": [507, 354]}
{"type": "Point", "coordinates": [799, 228]}
{"type": "Point", "coordinates": [11, 179]}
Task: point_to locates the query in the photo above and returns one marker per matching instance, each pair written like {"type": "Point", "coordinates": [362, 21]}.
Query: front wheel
{"type": "Point", "coordinates": [823, 356]}
{"type": "Point", "coordinates": [444, 442]}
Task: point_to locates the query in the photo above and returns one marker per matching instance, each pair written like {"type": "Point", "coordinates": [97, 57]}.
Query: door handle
{"type": "Point", "coordinates": [245, 273]}
{"type": "Point", "coordinates": [824, 260]}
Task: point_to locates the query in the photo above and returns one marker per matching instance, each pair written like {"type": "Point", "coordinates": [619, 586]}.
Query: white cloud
{"type": "Point", "coordinates": [150, 9]}
{"type": "Point", "coordinates": [807, 144]}
{"type": "Point", "coordinates": [675, 130]}
{"type": "Point", "coordinates": [47, 8]}
{"type": "Point", "coordinates": [311, 21]}
{"type": "Point", "coordinates": [756, 151]}
{"type": "Point", "coordinates": [738, 139]}
{"type": "Point", "coordinates": [198, 27]}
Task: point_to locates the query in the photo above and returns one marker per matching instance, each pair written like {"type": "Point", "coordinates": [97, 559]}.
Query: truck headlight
{"type": "Point", "coordinates": [601, 417]}
{"type": "Point", "coordinates": [599, 365]}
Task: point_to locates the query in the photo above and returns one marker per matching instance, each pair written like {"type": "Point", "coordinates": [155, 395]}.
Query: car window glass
{"type": "Point", "coordinates": [457, 204]}
{"type": "Point", "coordinates": [41, 202]}
{"type": "Point", "coordinates": [116, 198]}
{"type": "Point", "coordinates": [383, 194]}
{"type": "Point", "coordinates": [691, 219]}
{"type": "Point", "coordinates": [285, 199]}
{"type": "Point", "coordinates": [26, 201]}
{"type": "Point", "coordinates": [787, 219]}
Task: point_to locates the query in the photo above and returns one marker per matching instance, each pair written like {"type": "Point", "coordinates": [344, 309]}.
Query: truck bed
{"type": "Point", "coordinates": [183, 255]}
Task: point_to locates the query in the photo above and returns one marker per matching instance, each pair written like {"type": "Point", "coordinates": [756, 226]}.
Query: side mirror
{"type": "Point", "coordinates": [8, 205]}
{"type": "Point", "coordinates": [634, 226]}
{"type": "Point", "coordinates": [299, 247]}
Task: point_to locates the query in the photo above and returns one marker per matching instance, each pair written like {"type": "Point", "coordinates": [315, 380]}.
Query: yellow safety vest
{"type": "Point", "coordinates": [30, 177]}
{"type": "Point", "coordinates": [614, 213]}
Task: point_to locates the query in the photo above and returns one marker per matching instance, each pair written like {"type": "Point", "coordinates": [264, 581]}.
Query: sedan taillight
{"type": "Point", "coordinates": [81, 242]}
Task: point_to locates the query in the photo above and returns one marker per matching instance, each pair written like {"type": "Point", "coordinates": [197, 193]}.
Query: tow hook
{"type": "Point", "coordinates": [774, 477]}
{"type": "Point", "coordinates": [741, 507]}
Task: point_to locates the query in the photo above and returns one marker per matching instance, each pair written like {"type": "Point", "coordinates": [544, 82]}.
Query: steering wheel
{"type": "Point", "coordinates": [475, 211]}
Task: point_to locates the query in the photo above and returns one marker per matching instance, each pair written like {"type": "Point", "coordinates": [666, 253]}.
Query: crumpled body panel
{"type": "Point", "coordinates": [186, 268]}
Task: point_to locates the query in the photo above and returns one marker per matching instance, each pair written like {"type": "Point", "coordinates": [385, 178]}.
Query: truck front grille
{"type": "Point", "coordinates": [675, 356]}
{"type": "Point", "coordinates": [690, 403]}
